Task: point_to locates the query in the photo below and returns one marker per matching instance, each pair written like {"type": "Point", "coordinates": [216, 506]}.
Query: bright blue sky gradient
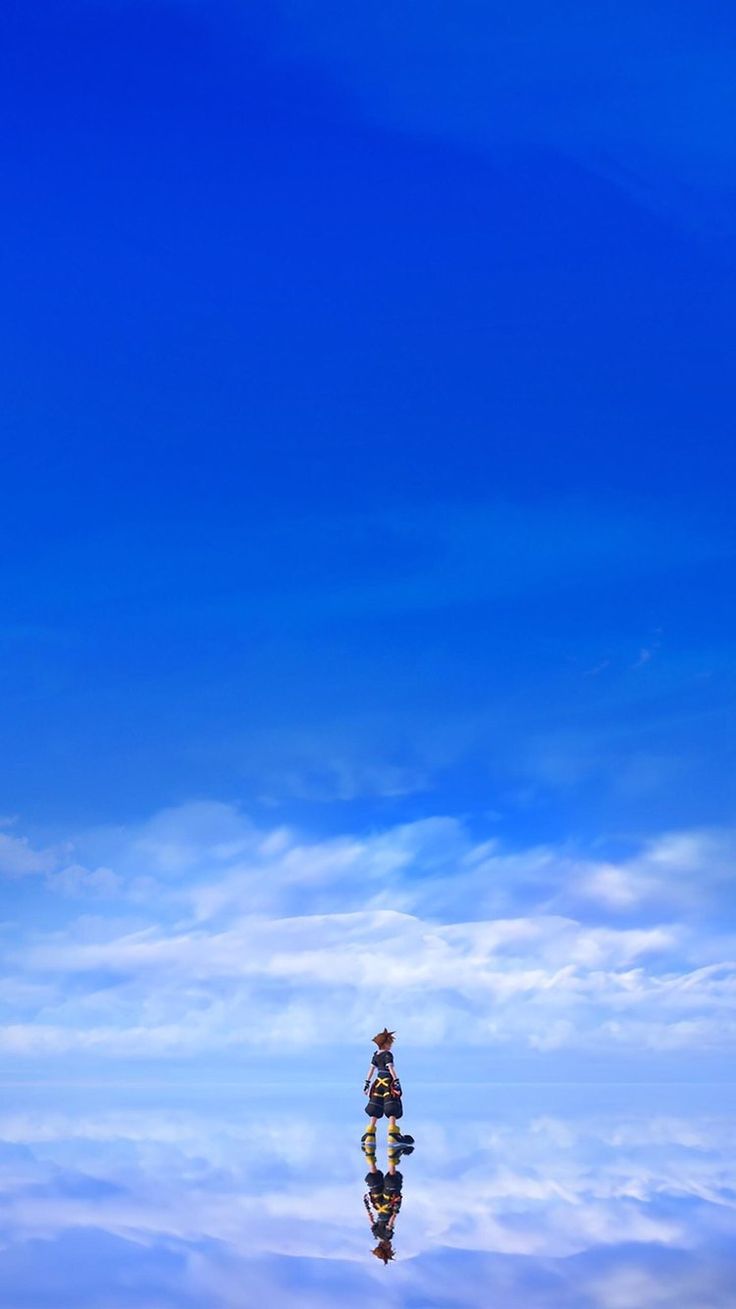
{"type": "Point", "coordinates": [367, 524]}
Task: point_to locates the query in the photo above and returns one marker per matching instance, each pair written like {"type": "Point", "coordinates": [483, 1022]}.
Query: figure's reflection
{"type": "Point", "coordinates": [382, 1200]}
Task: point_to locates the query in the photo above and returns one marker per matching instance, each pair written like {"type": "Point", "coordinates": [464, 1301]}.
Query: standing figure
{"type": "Point", "coordinates": [383, 1088]}
{"type": "Point", "coordinates": [382, 1201]}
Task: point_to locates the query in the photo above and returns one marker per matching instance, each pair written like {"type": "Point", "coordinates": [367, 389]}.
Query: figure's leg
{"type": "Point", "coordinates": [368, 1139]}
{"type": "Point", "coordinates": [374, 1179]}
{"type": "Point", "coordinates": [392, 1185]}
{"type": "Point", "coordinates": [397, 1139]}
{"type": "Point", "coordinates": [394, 1135]}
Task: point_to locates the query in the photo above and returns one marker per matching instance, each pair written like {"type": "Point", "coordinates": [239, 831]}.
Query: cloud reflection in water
{"type": "Point", "coordinates": [615, 1201]}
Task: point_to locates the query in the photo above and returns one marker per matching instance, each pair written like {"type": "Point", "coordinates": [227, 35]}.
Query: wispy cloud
{"type": "Point", "coordinates": [641, 98]}
{"type": "Point", "coordinates": [18, 858]}
{"type": "Point", "coordinates": [549, 1186]}
{"type": "Point", "coordinates": [217, 933]}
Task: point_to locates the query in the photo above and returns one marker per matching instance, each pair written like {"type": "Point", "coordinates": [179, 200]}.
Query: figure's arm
{"type": "Point", "coordinates": [369, 1078]}
{"type": "Point", "coordinates": [395, 1079]}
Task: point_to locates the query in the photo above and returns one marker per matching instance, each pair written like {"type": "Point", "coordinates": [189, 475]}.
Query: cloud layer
{"type": "Point", "coordinates": [551, 1205]}
{"type": "Point", "coordinates": [198, 932]}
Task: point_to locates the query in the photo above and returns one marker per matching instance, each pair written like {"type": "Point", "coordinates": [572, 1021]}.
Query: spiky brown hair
{"type": "Point", "coordinates": [384, 1038]}
{"type": "Point", "coordinates": [384, 1250]}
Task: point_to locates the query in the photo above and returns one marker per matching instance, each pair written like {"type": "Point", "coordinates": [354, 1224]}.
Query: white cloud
{"type": "Point", "coordinates": [227, 934]}
{"type": "Point", "coordinates": [18, 858]}
{"type": "Point", "coordinates": [75, 880]}
{"type": "Point", "coordinates": [213, 858]}
{"type": "Point", "coordinates": [548, 1187]}
{"type": "Point", "coordinates": [543, 982]}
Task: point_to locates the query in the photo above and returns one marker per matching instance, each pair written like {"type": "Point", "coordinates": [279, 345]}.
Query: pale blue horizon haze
{"type": "Point", "coordinates": [367, 647]}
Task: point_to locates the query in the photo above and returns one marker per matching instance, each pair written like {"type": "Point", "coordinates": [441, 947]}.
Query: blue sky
{"type": "Point", "coordinates": [367, 530]}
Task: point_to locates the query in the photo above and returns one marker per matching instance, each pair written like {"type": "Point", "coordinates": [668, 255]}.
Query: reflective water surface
{"type": "Point", "coordinates": [562, 1198]}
